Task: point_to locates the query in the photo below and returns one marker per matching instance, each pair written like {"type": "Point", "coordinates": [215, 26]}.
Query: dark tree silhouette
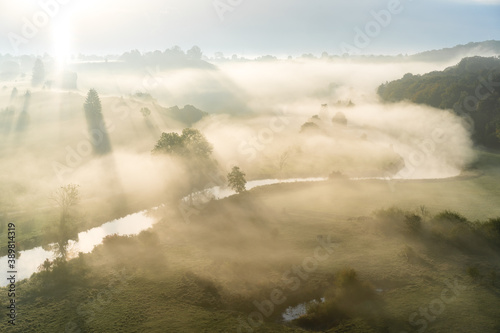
{"type": "Point", "coordinates": [92, 103]}
{"type": "Point", "coordinates": [169, 143]}
{"type": "Point", "coordinates": [67, 198]}
{"type": "Point", "coordinates": [192, 143]}
{"type": "Point", "coordinates": [194, 151]}
{"type": "Point", "coordinates": [196, 143]}
{"type": "Point", "coordinates": [96, 124]}
{"type": "Point", "coordinates": [468, 88]}
{"type": "Point", "coordinates": [236, 180]}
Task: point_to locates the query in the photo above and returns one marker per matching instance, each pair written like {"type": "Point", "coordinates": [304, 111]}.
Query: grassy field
{"type": "Point", "coordinates": [207, 275]}
{"type": "Point", "coordinates": [475, 194]}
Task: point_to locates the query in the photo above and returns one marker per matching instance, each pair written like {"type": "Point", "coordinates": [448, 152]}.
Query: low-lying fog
{"type": "Point", "coordinates": [256, 112]}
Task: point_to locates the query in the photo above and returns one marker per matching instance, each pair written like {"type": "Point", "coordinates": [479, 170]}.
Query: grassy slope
{"type": "Point", "coordinates": [201, 277]}
{"type": "Point", "coordinates": [476, 196]}
{"type": "Point", "coordinates": [25, 200]}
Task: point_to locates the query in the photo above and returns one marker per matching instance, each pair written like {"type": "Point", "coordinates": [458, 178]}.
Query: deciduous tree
{"type": "Point", "coordinates": [236, 180]}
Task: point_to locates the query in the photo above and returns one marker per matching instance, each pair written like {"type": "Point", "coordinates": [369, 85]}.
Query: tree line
{"type": "Point", "coordinates": [471, 89]}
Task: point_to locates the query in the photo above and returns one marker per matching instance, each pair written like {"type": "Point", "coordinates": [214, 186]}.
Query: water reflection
{"type": "Point", "coordinates": [132, 224]}
{"type": "Point", "coordinates": [295, 312]}
{"type": "Point", "coordinates": [30, 260]}
{"type": "Point", "coordinates": [219, 192]}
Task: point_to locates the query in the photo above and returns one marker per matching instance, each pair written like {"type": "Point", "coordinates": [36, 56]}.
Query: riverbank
{"type": "Point", "coordinates": [475, 192]}
{"type": "Point", "coordinates": [216, 272]}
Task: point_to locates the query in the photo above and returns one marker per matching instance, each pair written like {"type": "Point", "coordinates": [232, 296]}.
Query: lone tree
{"type": "Point", "coordinates": [92, 103]}
{"type": "Point", "coordinates": [38, 73]}
{"type": "Point", "coordinates": [96, 123]}
{"type": "Point", "coordinates": [236, 180]}
{"type": "Point", "coordinates": [67, 198]}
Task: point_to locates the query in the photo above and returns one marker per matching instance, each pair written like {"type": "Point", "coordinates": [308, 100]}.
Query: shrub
{"type": "Point", "coordinates": [392, 214]}
{"type": "Point", "coordinates": [351, 294]}
{"type": "Point", "coordinates": [115, 239]}
{"type": "Point", "coordinates": [450, 217]}
{"type": "Point", "coordinates": [423, 211]}
{"type": "Point", "coordinates": [148, 238]}
{"type": "Point", "coordinates": [349, 297]}
{"type": "Point", "coordinates": [494, 224]}
{"type": "Point", "coordinates": [54, 274]}
{"type": "Point", "coordinates": [404, 221]}
{"type": "Point", "coordinates": [321, 316]}
{"type": "Point", "coordinates": [491, 230]}
{"type": "Point", "coordinates": [413, 222]}
{"type": "Point", "coordinates": [346, 277]}
{"type": "Point", "coordinates": [118, 245]}
{"type": "Point", "coordinates": [454, 228]}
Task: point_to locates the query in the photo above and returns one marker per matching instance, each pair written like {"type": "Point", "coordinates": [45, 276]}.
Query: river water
{"type": "Point", "coordinates": [132, 224]}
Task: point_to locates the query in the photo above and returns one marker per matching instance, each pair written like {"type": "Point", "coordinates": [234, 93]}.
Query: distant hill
{"type": "Point", "coordinates": [486, 48]}
{"type": "Point", "coordinates": [471, 89]}
{"type": "Point", "coordinates": [489, 48]}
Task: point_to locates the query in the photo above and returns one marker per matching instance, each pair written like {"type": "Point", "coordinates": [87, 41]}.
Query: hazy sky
{"type": "Point", "coordinates": [245, 27]}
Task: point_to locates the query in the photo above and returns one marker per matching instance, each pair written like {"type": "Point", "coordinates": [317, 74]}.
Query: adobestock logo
{"type": "Point", "coordinates": [264, 137]}
{"type": "Point", "coordinates": [291, 281]}
{"type": "Point", "coordinates": [39, 20]}
{"type": "Point", "coordinates": [222, 7]}
{"type": "Point", "coordinates": [83, 149]}
{"type": "Point", "coordinates": [426, 315]}
{"type": "Point", "coordinates": [483, 91]}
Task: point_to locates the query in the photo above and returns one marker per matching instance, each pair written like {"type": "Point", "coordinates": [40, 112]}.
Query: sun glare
{"type": "Point", "coordinates": [61, 38]}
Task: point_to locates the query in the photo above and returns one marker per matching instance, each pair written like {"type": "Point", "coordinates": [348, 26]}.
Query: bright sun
{"type": "Point", "coordinates": [61, 39]}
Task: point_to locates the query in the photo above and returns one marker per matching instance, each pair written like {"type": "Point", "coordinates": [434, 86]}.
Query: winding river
{"type": "Point", "coordinates": [132, 224]}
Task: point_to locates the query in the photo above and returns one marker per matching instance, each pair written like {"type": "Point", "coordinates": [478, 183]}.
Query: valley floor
{"type": "Point", "coordinates": [214, 271]}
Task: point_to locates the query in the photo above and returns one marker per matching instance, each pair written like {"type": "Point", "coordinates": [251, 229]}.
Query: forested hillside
{"type": "Point", "coordinates": [470, 89]}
